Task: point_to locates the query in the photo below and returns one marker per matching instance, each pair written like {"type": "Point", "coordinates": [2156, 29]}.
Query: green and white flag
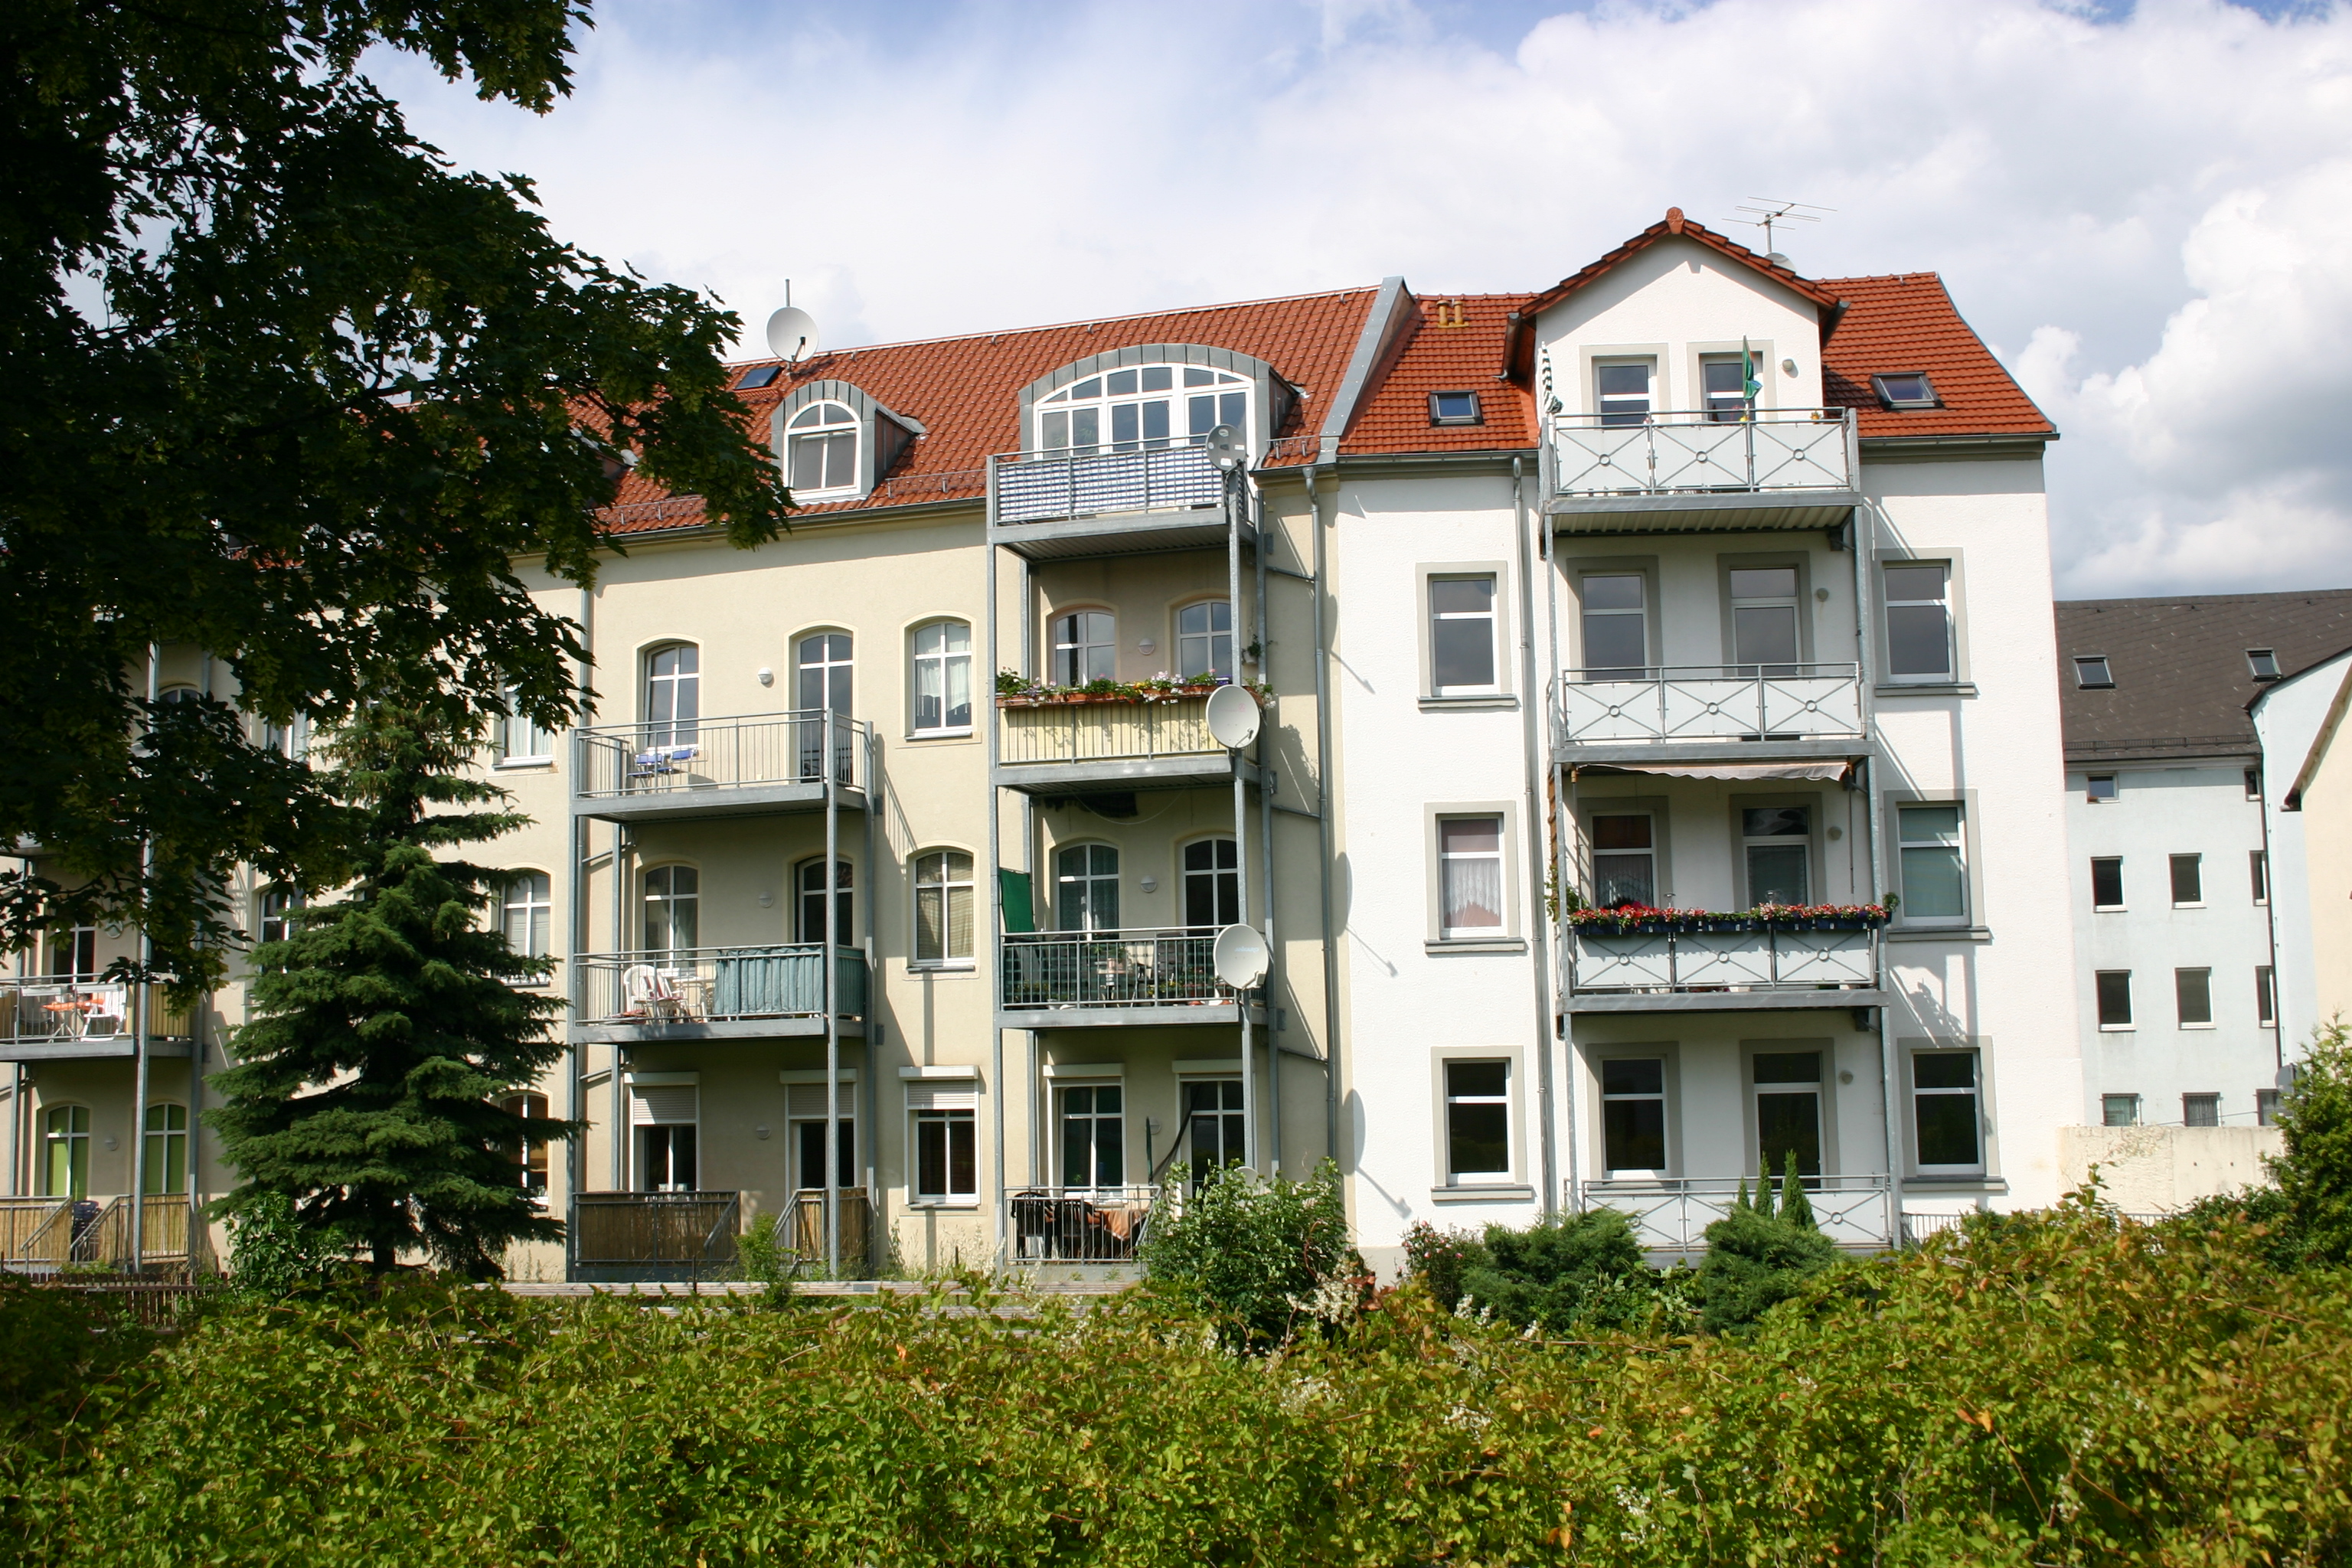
{"type": "Point", "coordinates": [1749, 385]}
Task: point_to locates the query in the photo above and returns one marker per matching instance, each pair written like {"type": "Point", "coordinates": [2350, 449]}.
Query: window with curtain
{"type": "Point", "coordinates": [942, 677]}
{"type": "Point", "coordinates": [673, 908]}
{"type": "Point", "coordinates": [1624, 861]}
{"type": "Point", "coordinates": [1470, 874]}
{"type": "Point", "coordinates": [527, 914]}
{"type": "Point", "coordinates": [943, 907]}
{"type": "Point", "coordinates": [1935, 867]}
{"type": "Point", "coordinates": [515, 739]}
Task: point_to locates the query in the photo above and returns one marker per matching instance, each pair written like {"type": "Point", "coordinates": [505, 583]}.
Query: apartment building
{"type": "Point", "coordinates": [2299, 720]}
{"type": "Point", "coordinates": [1579, 624]}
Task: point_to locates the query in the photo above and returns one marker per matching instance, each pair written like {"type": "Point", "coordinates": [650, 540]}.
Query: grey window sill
{"type": "Point", "coordinates": [1946, 1183]}
{"type": "Point", "coordinates": [1496, 1194]}
{"type": "Point", "coordinates": [935, 1205]}
{"type": "Point", "coordinates": [920, 735]}
{"type": "Point", "coordinates": [1926, 688]}
{"type": "Point", "coordinates": [1509, 944]}
{"type": "Point", "coordinates": [2120, 1028]}
{"type": "Point", "coordinates": [517, 765]}
{"type": "Point", "coordinates": [1939, 933]}
{"type": "Point", "coordinates": [914, 968]}
{"type": "Point", "coordinates": [1489, 699]}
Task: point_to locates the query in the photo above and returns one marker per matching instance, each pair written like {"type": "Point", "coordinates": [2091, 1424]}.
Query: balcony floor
{"type": "Point", "coordinates": [1758, 1001]}
{"type": "Point", "coordinates": [714, 801]}
{"type": "Point", "coordinates": [606, 1032]}
{"type": "Point", "coordinates": [83, 1048]}
{"type": "Point", "coordinates": [1160, 1015]}
{"type": "Point", "coordinates": [1201, 771]}
{"type": "Point", "coordinates": [1703, 512]}
{"type": "Point", "coordinates": [1641, 755]}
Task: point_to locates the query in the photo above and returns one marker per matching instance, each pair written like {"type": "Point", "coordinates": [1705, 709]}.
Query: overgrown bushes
{"type": "Point", "coordinates": [1258, 1258]}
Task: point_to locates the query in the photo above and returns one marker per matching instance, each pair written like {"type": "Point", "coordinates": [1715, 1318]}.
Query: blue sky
{"type": "Point", "coordinates": [2143, 208]}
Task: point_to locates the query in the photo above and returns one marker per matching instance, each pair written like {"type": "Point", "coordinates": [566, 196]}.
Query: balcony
{"type": "Point", "coordinates": [50, 1233]}
{"type": "Point", "coordinates": [1080, 980]}
{"type": "Point", "coordinates": [1060, 747]}
{"type": "Point", "coordinates": [1722, 971]}
{"type": "Point", "coordinates": [59, 1017]}
{"type": "Point", "coordinates": [617, 1237]}
{"type": "Point", "coordinates": [1758, 713]}
{"type": "Point", "coordinates": [1073, 502]}
{"type": "Point", "coordinates": [1694, 472]}
{"type": "Point", "coordinates": [756, 765]}
{"type": "Point", "coordinates": [1672, 1215]}
{"type": "Point", "coordinates": [716, 993]}
{"type": "Point", "coordinates": [1080, 1224]}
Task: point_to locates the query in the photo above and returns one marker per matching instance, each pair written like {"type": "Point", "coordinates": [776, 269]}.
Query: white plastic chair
{"type": "Point", "coordinates": [640, 987]}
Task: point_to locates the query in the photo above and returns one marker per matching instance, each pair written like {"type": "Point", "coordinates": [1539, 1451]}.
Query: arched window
{"type": "Point", "coordinates": [810, 882]}
{"type": "Point", "coordinates": [943, 907]}
{"type": "Point", "coordinates": [673, 908]}
{"type": "Point", "coordinates": [942, 677]}
{"type": "Point", "coordinates": [673, 694]}
{"type": "Point", "coordinates": [167, 1148]}
{"type": "Point", "coordinates": [1142, 408]}
{"type": "Point", "coordinates": [1085, 887]}
{"type": "Point", "coordinates": [276, 921]}
{"type": "Point", "coordinates": [1212, 884]}
{"type": "Point", "coordinates": [527, 914]}
{"type": "Point", "coordinates": [181, 693]}
{"type": "Point", "coordinates": [530, 1158]}
{"type": "Point", "coordinates": [824, 672]}
{"type": "Point", "coordinates": [825, 448]}
{"type": "Point", "coordinates": [1086, 648]}
{"type": "Point", "coordinates": [64, 1137]}
{"type": "Point", "coordinates": [1204, 641]}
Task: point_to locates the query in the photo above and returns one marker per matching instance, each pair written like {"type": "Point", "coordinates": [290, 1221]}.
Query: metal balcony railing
{"type": "Point", "coordinates": [1703, 451]}
{"type": "Point", "coordinates": [1709, 703]}
{"type": "Point", "coordinates": [717, 984]}
{"type": "Point", "coordinates": [1672, 1215]}
{"type": "Point", "coordinates": [1104, 731]}
{"type": "Point", "coordinates": [1723, 961]}
{"type": "Point", "coordinates": [64, 1008]}
{"type": "Point", "coordinates": [691, 755]}
{"type": "Point", "coordinates": [1081, 1224]}
{"type": "Point", "coordinates": [1072, 482]}
{"type": "Point", "coordinates": [1169, 969]}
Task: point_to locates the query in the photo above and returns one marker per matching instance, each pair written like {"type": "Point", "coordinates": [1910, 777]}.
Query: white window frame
{"type": "Point", "coordinates": [2121, 902]}
{"type": "Point", "coordinates": [2258, 875]}
{"type": "Point", "coordinates": [2179, 1014]}
{"type": "Point", "coordinates": [1186, 667]}
{"type": "Point", "coordinates": [670, 901]}
{"type": "Point", "coordinates": [1072, 644]}
{"type": "Point", "coordinates": [1215, 876]}
{"type": "Point", "coordinates": [1586, 614]}
{"type": "Point", "coordinates": [171, 1169]}
{"type": "Point", "coordinates": [1611, 410]}
{"type": "Point", "coordinates": [1090, 878]}
{"type": "Point", "coordinates": [517, 743]}
{"type": "Point", "coordinates": [680, 686]}
{"type": "Point", "coordinates": [2172, 879]}
{"type": "Point", "coordinates": [845, 897]}
{"type": "Point", "coordinates": [2265, 996]}
{"type": "Point", "coordinates": [274, 906]}
{"type": "Point", "coordinates": [1500, 858]}
{"type": "Point", "coordinates": [940, 888]}
{"type": "Point", "coordinates": [934, 1101]}
{"type": "Point", "coordinates": [1182, 389]}
{"type": "Point", "coordinates": [936, 668]}
{"type": "Point", "coordinates": [1653, 852]}
{"type": "Point", "coordinates": [644, 1114]}
{"type": "Point", "coordinates": [2131, 1006]}
{"type": "Point", "coordinates": [1974, 1091]}
{"type": "Point", "coordinates": [2091, 782]}
{"type": "Point", "coordinates": [2109, 1103]}
{"type": "Point", "coordinates": [1496, 685]}
{"type": "Point", "coordinates": [1603, 1097]}
{"type": "Point", "coordinates": [1957, 847]}
{"type": "Point", "coordinates": [1063, 1117]}
{"type": "Point", "coordinates": [1943, 602]}
{"type": "Point", "coordinates": [810, 424]}
{"type": "Point", "coordinates": [1508, 1099]}
{"type": "Point", "coordinates": [537, 913]}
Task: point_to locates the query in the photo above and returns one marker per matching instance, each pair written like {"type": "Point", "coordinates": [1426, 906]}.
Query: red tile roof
{"type": "Point", "coordinates": [1453, 343]}
{"type": "Point", "coordinates": [1908, 322]}
{"type": "Point", "coordinates": [1672, 227]}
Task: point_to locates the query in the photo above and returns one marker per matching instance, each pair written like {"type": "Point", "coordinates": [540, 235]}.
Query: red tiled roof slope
{"type": "Point", "coordinates": [1452, 344]}
{"type": "Point", "coordinates": [1675, 226]}
{"type": "Point", "coordinates": [1905, 322]}
{"type": "Point", "coordinates": [967, 391]}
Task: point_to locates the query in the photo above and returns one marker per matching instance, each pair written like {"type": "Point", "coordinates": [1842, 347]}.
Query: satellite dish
{"type": "Point", "coordinates": [1225, 448]}
{"type": "Point", "coordinates": [1232, 717]}
{"type": "Point", "coordinates": [1240, 956]}
{"type": "Point", "coordinates": [791, 333]}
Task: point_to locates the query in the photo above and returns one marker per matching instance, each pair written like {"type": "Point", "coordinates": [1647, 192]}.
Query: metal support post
{"type": "Point", "coordinates": [829, 879]}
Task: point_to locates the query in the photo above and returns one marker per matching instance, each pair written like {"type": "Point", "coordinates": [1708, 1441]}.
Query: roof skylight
{"type": "Point", "coordinates": [759, 376]}
{"type": "Point", "coordinates": [2263, 662]}
{"type": "Point", "coordinates": [2091, 670]}
{"type": "Point", "coordinates": [1454, 408]}
{"type": "Point", "coordinates": [1905, 389]}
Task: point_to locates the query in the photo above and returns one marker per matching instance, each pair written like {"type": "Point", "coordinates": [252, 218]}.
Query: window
{"type": "Point", "coordinates": [2265, 997]}
{"type": "Point", "coordinates": [289, 739]}
{"type": "Point", "coordinates": [1470, 875]}
{"type": "Point", "coordinates": [1086, 648]}
{"type": "Point", "coordinates": [1621, 391]}
{"type": "Point", "coordinates": [2200, 1111]}
{"type": "Point", "coordinates": [2091, 671]}
{"type": "Point", "coordinates": [514, 738]}
{"type": "Point", "coordinates": [2266, 1107]}
{"type": "Point", "coordinates": [2119, 1109]}
{"type": "Point", "coordinates": [825, 448]}
{"type": "Point", "coordinates": [806, 1109]}
{"type": "Point", "coordinates": [1214, 1122]}
{"type": "Point", "coordinates": [673, 908]}
{"type": "Point", "coordinates": [823, 677]}
{"type": "Point", "coordinates": [1462, 636]}
{"type": "Point", "coordinates": [2258, 873]}
{"type": "Point", "coordinates": [2099, 788]}
{"type": "Point", "coordinates": [1943, 1115]}
{"type": "Point", "coordinates": [1204, 641]}
{"type": "Point", "coordinates": [673, 695]}
{"type": "Point", "coordinates": [1616, 625]}
{"type": "Point", "coordinates": [1764, 620]}
{"type": "Point", "coordinates": [947, 1162]}
{"type": "Point", "coordinates": [758, 377]}
{"type": "Point", "coordinates": [1094, 1136]}
{"type": "Point", "coordinates": [1776, 843]}
{"type": "Point", "coordinates": [2187, 881]}
{"type": "Point", "coordinates": [1137, 409]}
{"type": "Point", "coordinates": [666, 1158]}
{"type": "Point", "coordinates": [944, 678]}
{"type": "Point", "coordinates": [943, 907]}
{"type": "Point", "coordinates": [1454, 408]}
{"type": "Point", "coordinates": [1633, 1116]}
{"type": "Point", "coordinates": [530, 1157]}
{"type": "Point", "coordinates": [1477, 1121]}
{"type": "Point", "coordinates": [1085, 887]}
{"type": "Point", "coordinates": [64, 1137]}
{"type": "Point", "coordinates": [809, 881]}
{"type": "Point", "coordinates": [2106, 882]}
{"type": "Point", "coordinates": [2114, 998]}
{"type": "Point", "coordinates": [1212, 884]}
{"type": "Point", "coordinates": [526, 912]}
{"type": "Point", "coordinates": [1624, 861]}
{"type": "Point", "coordinates": [1935, 872]}
{"type": "Point", "coordinates": [2192, 995]}
{"type": "Point", "coordinates": [166, 1135]}
{"type": "Point", "coordinates": [2263, 665]}
{"type": "Point", "coordinates": [1788, 1109]}
{"type": "Point", "coordinates": [73, 951]}
{"type": "Point", "coordinates": [1905, 389]}
{"type": "Point", "coordinates": [1918, 621]}
{"type": "Point", "coordinates": [277, 907]}
{"type": "Point", "coordinates": [663, 1111]}
{"type": "Point", "coordinates": [2253, 783]}
{"type": "Point", "coordinates": [1728, 386]}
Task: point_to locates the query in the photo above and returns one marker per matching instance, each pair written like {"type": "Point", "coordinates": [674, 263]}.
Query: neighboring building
{"type": "Point", "coordinates": [2307, 801]}
{"type": "Point", "coordinates": [2181, 976]}
{"type": "Point", "coordinates": [1688, 581]}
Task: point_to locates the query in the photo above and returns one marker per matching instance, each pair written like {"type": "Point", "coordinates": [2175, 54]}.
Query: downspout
{"type": "Point", "coordinates": [1279, 980]}
{"type": "Point", "coordinates": [1250, 1107]}
{"type": "Point", "coordinates": [1863, 540]}
{"type": "Point", "coordinates": [870, 1091]}
{"type": "Point", "coordinates": [1559, 820]}
{"type": "Point", "coordinates": [829, 879]}
{"type": "Point", "coordinates": [1326, 804]}
{"type": "Point", "coordinates": [576, 943]}
{"type": "Point", "coordinates": [621, 1130]}
{"type": "Point", "coordinates": [1540, 947]}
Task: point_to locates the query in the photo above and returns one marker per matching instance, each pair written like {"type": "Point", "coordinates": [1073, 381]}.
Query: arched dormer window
{"type": "Point", "coordinates": [1143, 408]}
{"type": "Point", "coordinates": [824, 449]}
{"type": "Point", "coordinates": [835, 443]}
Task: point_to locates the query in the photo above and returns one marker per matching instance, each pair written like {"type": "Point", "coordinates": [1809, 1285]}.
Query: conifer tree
{"type": "Point", "coordinates": [386, 1027]}
{"type": "Point", "coordinates": [1795, 1207]}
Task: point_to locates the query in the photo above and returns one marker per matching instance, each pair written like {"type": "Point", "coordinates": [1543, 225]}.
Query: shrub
{"type": "Point", "coordinates": [1578, 1270]}
{"type": "Point", "coordinates": [1439, 1259]}
{"type": "Point", "coordinates": [1256, 1255]}
{"type": "Point", "coordinates": [271, 1252]}
{"type": "Point", "coordinates": [2314, 1173]}
{"type": "Point", "coordinates": [1756, 1258]}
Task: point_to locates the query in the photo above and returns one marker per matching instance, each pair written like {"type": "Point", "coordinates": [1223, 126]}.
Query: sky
{"type": "Point", "coordinates": [2146, 210]}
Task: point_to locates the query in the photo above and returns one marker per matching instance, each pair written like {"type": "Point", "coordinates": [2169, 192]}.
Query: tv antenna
{"type": "Point", "coordinates": [1774, 210]}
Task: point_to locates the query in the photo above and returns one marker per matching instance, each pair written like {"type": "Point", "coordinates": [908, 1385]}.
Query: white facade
{"type": "Point", "coordinates": [2287, 718]}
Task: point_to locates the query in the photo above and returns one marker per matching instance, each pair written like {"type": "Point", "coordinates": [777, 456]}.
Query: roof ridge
{"type": "Point", "coordinates": [2214, 598]}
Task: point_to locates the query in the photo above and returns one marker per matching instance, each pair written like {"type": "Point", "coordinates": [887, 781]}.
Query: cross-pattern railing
{"type": "Point", "coordinates": [718, 984]}
{"type": "Point", "coordinates": [1711, 703]}
{"type": "Point", "coordinates": [1723, 961]}
{"type": "Point", "coordinates": [1112, 969]}
{"type": "Point", "coordinates": [687, 756]}
{"type": "Point", "coordinates": [1104, 731]}
{"type": "Point", "coordinates": [65, 1007]}
{"type": "Point", "coordinates": [1049, 486]}
{"type": "Point", "coordinates": [1672, 1215]}
{"type": "Point", "coordinates": [1768, 449]}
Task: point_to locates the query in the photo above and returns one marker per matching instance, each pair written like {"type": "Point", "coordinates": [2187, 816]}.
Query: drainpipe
{"type": "Point", "coordinates": [1559, 821]}
{"type": "Point", "coordinates": [1326, 805]}
{"type": "Point", "coordinates": [872, 1090]}
{"type": "Point", "coordinates": [1279, 980]}
{"type": "Point", "coordinates": [1250, 1108]}
{"type": "Point", "coordinates": [1539, 944]}
{"type": "Point", "coordinates": [622, 1131]}
{"type": "Point", "coordinates": [575, 1150]}
{"type": "Point", "coordinates": [829, 879]}
{"type": "Point", "coordinates": [1863, 540]}
{"type": "Point", "coordinates": [140, 1045]}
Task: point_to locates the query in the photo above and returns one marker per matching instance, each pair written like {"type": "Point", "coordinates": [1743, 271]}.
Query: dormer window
{"type": "Point", "coordinates": [1454, 408]}
{"type": "Point", "coordinates": [2263, 663]}
{"type": "Point", "coordinates": [1145, 408]}
{"type": "Point", "coordinates": [1905, 389]}
{"type": "Point", "coordinates": [824, 449]}
{"type": "Point", "coordinates": [2091, 671]}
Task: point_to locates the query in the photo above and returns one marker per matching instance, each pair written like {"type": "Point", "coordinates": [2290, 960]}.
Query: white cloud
{"type": "Point", "coordinates": [2144, 209]}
